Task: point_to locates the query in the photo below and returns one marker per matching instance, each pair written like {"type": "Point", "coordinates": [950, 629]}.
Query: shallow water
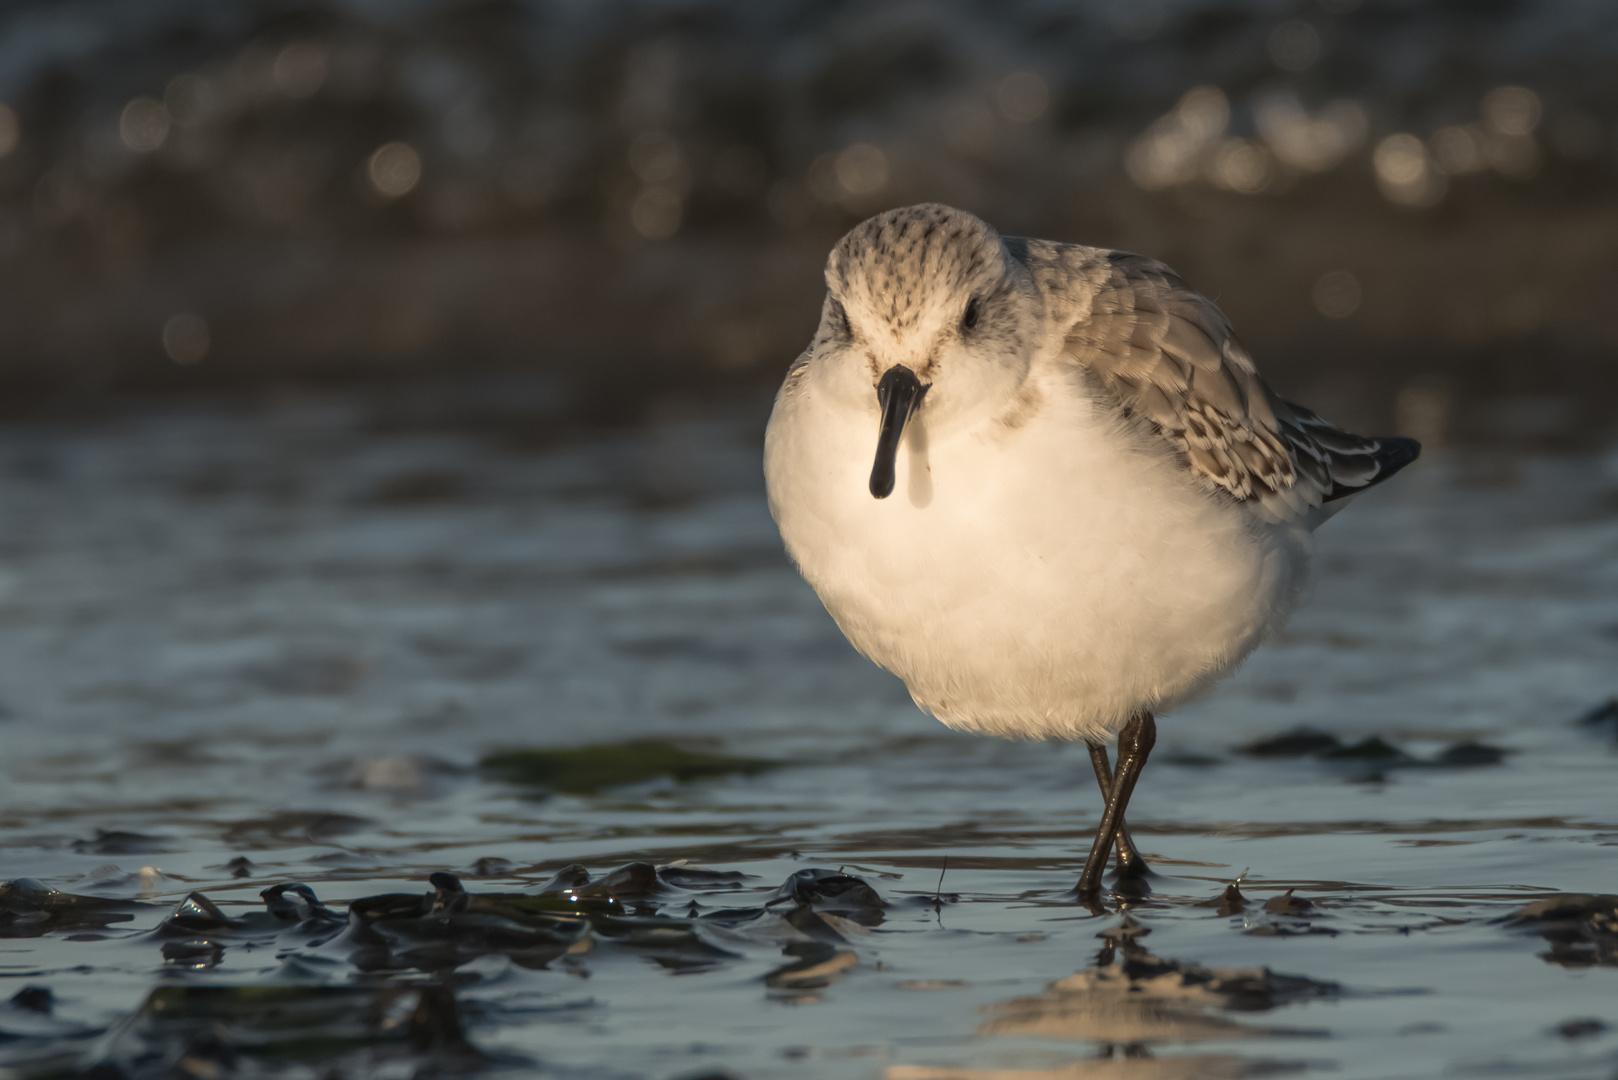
{"type": "Point", "coordinates": [288, 633]}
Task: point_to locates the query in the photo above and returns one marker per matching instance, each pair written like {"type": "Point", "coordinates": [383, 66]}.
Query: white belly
{"type": "Point", "coordinates": [1049, 580]}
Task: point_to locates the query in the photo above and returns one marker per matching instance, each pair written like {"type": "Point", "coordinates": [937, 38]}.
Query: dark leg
{"type": "Point", "coordinates": [1134, 744]}
{"type": "Point", "coordinates": [1130, 861]}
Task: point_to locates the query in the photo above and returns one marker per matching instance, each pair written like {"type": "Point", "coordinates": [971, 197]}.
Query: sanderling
{"type": "Point", "coordinates": [1099, 508]}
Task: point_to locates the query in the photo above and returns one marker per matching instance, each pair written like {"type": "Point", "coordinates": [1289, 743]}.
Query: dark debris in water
{"type": "Point", "coordinates": [403, 956]}
{"type": "Point", "coordinates": [1469, 753]}
{"type": "Point", "coordinates": [241, 867]}
{"type": "Point", "coordinates": [1374, 748]}
{"type": "Point", "coordinates": [1289, 915]}
{"type": "Point", "coordinates": [832, 892]}
{"type": "Point", "coordinates": [1582, 928]}
{"type": "Point", "coordinates": [1581, 1027]}
{"type": "Point", "coordinates": [1603, 715]}
{"type": "Point", "coordinates": [491, 866]}
{"type": "Point", "coordinates": [1300, 743]}
{"type": "Point", "coordinates": [1370, 758]}
{"type": "Point", "coordinates": [406, 948]}
{"type": "Point", "coordinates": [568, 877]}
{"type": "Point", "coordinates": [1288, 904]}
{"type": "Point", "coordinates": [632, 881]}
{"type": "Point", "coordinates": [449, 927]}
{"type": "Point", "coordinates": [585, 770]}
{"type": "Point", "coordinates": [29, 908]}
{"type": "Point", "coordinates": [1230, 902]}
{"type": "Point", "coordinates": [34, 998]}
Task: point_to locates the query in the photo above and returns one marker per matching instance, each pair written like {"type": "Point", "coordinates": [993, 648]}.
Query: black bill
{"type": "Point", "coordinates": [898, 395]}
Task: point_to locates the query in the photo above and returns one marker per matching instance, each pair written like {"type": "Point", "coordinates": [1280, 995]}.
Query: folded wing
{"type": "Point", "coordinates": [1168, 356]}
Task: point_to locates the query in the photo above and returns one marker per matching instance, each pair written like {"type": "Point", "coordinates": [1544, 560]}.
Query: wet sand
{"type": "Point", "coordinates": [245, 645]}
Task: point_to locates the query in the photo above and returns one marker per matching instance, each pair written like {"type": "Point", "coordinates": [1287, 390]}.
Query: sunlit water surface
{"type": "Point", "coordinates": [289, 632]}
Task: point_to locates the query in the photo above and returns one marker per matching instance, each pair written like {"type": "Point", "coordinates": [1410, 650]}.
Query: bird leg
{"type": "Point", "coordinates": [1135, 742]}
{"type": "Point", "coordinates": [1130, 861]}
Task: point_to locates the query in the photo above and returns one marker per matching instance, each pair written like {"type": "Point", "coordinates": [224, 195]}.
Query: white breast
{"type": "Point", "coordinates": [1044, 580]}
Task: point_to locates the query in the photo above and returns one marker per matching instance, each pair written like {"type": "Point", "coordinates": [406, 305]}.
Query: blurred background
{"type": "Point", "coordinates": [382, 391]}
{"type": "Point", "coordinates": [1407, 208]}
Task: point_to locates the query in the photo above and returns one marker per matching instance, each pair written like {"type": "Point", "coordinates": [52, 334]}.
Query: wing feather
{"type": "Point", "coordinates": [1168, 356]}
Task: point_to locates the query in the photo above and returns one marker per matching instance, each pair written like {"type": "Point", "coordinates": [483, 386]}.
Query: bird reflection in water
{"type": "Point", "coordinates": [1130, 1002]}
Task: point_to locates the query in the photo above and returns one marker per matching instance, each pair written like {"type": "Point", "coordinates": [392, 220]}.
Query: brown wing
{"type": "Point", "coordinates": [1168, 356]}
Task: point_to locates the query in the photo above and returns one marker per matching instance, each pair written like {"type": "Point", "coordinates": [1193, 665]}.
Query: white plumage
{"type": "Point", "coordinates": [1048, 579]}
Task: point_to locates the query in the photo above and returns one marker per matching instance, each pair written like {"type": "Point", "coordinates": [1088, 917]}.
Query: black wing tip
{"type": "Point", "coordinates": [1392, 454]}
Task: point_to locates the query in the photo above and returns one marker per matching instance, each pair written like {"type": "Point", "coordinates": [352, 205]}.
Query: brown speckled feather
{"type": "Point", "coordinates": [1168, 356]}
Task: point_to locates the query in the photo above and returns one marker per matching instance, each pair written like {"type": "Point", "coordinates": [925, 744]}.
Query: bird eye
{"type": "Point", "coordinates": [970, 319]}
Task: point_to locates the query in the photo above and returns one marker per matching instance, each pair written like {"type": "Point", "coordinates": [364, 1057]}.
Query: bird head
{"type": "Point", "coordinates": [929, 318]}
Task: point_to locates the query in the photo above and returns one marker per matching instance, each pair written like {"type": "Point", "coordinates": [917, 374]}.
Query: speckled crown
{"type": "Point", "coordinates": [900, 260]}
